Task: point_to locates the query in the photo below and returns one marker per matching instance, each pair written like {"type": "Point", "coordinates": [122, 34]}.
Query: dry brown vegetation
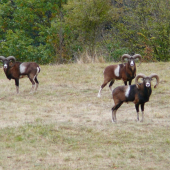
{"type": "Point", "coordinates": [65, 126]}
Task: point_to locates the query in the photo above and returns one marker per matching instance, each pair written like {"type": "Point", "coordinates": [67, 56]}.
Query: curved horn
{"type": "Point", "coordinates": [125, 56]}
{"type": "Point", "coordinates": [153, 75]}
{"type": "Point", "coordinates": [11, 58]}
{"type": "Point", "coordinates": [2, 58]}
{"type": "Point", "coordinates": [137, 78]}
{"type": "Point", "coordinates": [138, 56]}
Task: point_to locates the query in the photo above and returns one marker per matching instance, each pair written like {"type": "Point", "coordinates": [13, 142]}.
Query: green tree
{"type": "Point", "coordinates": [87, 18]}
{"type": "Point", "coordinates": [24, 25]}
{"type": "Point", "coordinates": [145, 28]}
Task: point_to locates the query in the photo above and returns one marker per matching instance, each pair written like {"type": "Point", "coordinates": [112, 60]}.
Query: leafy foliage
{"type": "Point", "coordinates": [23, 29]}
{"type": "Point", "coordinates": [87, 19]}
{"type": "Point", "coordinates": [146, 28]}
{"type": "Point", "coordinates": [58, 31]}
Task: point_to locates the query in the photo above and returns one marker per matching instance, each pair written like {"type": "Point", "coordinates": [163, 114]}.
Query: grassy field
{"type": "Point", "coordinates": [65, 126]}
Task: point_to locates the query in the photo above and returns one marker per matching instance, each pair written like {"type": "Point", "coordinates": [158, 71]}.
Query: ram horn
{"type": "Point", "coordinates": [138, 56]}
{"type": "Point", "coordinates": [137, 78]}
{"type": "Point", "coordinates": [11, 58]}
{"type": "Point", "coordinates": [125, 56]}
{"type": "Point", "coordinates": [153, 75]}
{"type": "Point", "coordinates": [2, 58]}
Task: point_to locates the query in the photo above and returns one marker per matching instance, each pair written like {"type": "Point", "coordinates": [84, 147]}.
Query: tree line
{"type": "Point", "coordinates": [61, 31]}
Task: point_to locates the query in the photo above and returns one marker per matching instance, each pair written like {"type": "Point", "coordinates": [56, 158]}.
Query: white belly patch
{"type": "Point", "coordinates": [117, 71]}
{"type": "Point", "coordinates": [22, 68]}
{"type": "Point", "coordinates": [127, 91]}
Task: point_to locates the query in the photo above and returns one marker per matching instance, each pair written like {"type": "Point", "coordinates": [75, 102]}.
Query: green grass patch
{"type": "Point", "coordinates": [68, 143]}
{"type": "Point", "coordinates": [65, 126]}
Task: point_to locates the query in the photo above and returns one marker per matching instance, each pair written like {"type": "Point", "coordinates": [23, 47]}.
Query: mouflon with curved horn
{"type": "Point", "coordinates": [138, 93]}
{"type": "Point", "coordinates": [124, 71]}
{"type": "Point", "coordinates": [16, 70]}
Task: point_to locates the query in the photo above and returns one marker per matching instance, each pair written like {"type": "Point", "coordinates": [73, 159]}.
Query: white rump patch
{"type": "Point", "coordinates": [38, 70]}
{"type": "Point", "coordinates": [117, 71]}
{"type": "Point", "coordinates": [22, 68]}
{"type": "Point", "coordinates": [127, 91]}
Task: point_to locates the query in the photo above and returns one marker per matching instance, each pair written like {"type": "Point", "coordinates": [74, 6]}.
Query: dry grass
{"type": "Point", "coordinates": [65, 126]}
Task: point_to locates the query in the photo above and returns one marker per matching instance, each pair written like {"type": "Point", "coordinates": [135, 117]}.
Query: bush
{"type": "Point", "coordinates": [115, 51]}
